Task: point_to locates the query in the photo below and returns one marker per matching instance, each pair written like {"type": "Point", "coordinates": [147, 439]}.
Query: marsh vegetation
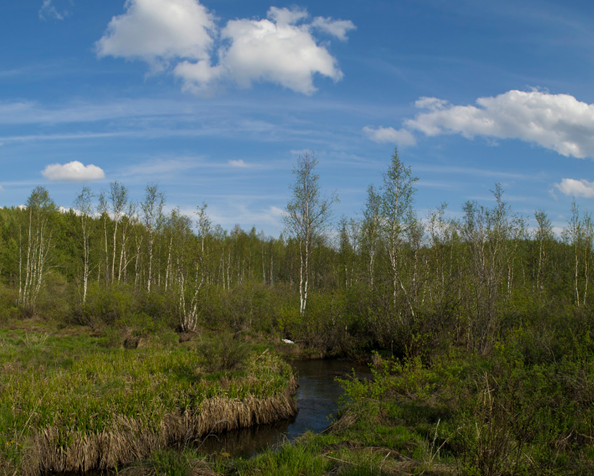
{"type": "Point", "coordinates": [128, 331]}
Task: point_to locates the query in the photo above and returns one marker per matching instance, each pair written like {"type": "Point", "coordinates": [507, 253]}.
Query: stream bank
{"type": "Point", "coordinates": [317, 396]}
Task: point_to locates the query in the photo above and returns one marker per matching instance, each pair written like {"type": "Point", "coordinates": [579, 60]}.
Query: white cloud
{"type": "Point", "coordinates": [244, 213]}
{"type": "Point", "coordinates": [554, 121]}
{"type": "Point", "coordinates": [181, 34]}
{"type": "Point", "coordinates": [239, 163]}
{"type": "Point", "coordinates": [302, 152]}
{"type": "Point", "coordinates": [576, 188]}
{"type": "Point", "coordinates": [48, 10]}
{"type": "Point", "coordinates": [159, 167]}
{"type": "Point", "coordinates": [287, 16]}
{"type": "Point", "coordinates": [158, 31]}
{"type": "Point", "coordinates": [73, 172]}
{"type": "Point", "coordinates": [401, 137]}
{"type": "Point", "coordinates": [337, 28]}
{"type": "Point", "coordinates": [198, 77]}
{"type": "Point", "coordinates": [276, 50]}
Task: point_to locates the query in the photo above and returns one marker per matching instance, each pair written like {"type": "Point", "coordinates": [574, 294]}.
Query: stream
{"type": "Point", "coordinates": [317, 399]}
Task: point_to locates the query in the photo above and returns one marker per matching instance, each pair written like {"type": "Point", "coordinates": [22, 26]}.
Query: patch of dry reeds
{"type": "Point", "coordinates": [113, 406]}
{"type": "Point", "coordinates": [127, 439]}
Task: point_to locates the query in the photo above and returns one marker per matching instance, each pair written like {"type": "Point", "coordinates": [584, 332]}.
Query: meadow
{"type": "Point", "coordinates": [74, 402]}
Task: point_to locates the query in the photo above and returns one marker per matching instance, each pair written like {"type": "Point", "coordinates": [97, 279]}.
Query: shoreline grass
{"type": "Point", "coordinates": [67, 407]}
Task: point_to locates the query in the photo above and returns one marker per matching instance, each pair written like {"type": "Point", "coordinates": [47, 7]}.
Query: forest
{"type": "Point", "coordinates": [477, 328]}
{"type": "Point", "coordinates": [389, 280]}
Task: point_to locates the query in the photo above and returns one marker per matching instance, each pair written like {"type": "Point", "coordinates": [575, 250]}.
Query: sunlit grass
{"type": "Point", "coordinates": [72, 388]}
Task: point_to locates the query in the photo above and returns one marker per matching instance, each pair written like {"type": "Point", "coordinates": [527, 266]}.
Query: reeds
{"type": "Point", "coordinates": [126, 439]}
{"type": "Point", "coordinates": [113, 407]}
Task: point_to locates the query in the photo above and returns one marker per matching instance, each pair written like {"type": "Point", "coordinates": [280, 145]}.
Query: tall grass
{"type": "Point", "coordinates": [97, 407]}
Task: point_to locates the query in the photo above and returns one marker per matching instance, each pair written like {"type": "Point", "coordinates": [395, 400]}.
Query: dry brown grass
{"type": "Point", "coordinates": [126, 439]}
{"type": "Point", "coordinates": [347, 420]}
{"type": "Point", "coordinates": [194, 467]}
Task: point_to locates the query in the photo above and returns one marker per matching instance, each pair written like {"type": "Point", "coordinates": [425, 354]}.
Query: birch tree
{"type": "Point", "coordinates": [103, 209]}
{"type": "Point", "coordinates": [573, 235]}
{"type": "Point", "coordinates": [188, 270]}
{"type": "Point", "coordinates": [129, 222]}
{"type": "Point", "coordinates": [371, 230]}
{"type": "Point", "coordinates": [491, 236]}
{"type": "Point", "coordinates": [307, 215]}
{"type": "Point", "coordinates": [118, 197]}
{"type": "Point", "coordinates": [33, 265]}
{"type": "Point", "coordinates": [152, 209]}
{"type": "Point", "coordinates": [543, 235]}
{"type": "Point", "coordinates": [397, 218]}
{"type": "Point", "coordinates": [83, 204]}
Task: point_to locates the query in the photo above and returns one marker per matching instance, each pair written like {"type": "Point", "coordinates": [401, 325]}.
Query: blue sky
{"type": "Point", "coordinates": [215, 100]}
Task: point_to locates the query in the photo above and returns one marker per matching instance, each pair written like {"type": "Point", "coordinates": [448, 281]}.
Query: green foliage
{"type": "Point", "coordinates": [484, 327]}
{"type": "Point", "coordinates": [225, 353]}
{"type": "Point", "coordinates": [526, 409]}
{"type": "Point", "coordinates": [73, 383]}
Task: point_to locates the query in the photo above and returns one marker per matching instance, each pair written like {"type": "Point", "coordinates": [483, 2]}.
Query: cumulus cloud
{"type": "Point", "coordinates": [73, 172]}
{"type": "Point", "coordinates": [554, 121]}
{"type": "Point", "coordinates": [400, 137]}
{"type": "Point", "coordinates": [182, 35]}
{"type": "Point", "coordinates": [158, 31]}
{"type": "Point", "coordinates": [576, 188]}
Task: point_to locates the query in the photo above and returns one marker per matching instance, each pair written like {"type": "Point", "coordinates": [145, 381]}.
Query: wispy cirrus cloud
{"type": "Point", "coordinates": [31, 112]}
{"type": "Point", "coordinates": [239, 164]}
{"type": "Point", "coordinates": [162, 167]}
{"type": "Point", "coordinates": [49, 10]}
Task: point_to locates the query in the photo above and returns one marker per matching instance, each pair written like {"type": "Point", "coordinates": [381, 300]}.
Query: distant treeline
{"type": "Point", "coordinates": [387, 280]}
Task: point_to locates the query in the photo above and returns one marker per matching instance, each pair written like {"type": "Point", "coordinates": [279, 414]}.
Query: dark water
{"type": "Point", "coordinates": [317, 399]}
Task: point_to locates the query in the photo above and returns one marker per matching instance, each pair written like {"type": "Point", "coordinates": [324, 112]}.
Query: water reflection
{"type": "Point", "coordinates": [317, 399]}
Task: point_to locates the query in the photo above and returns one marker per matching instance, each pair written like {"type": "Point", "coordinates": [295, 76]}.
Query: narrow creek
{"type": "Point", "coordinates": [317, 399]}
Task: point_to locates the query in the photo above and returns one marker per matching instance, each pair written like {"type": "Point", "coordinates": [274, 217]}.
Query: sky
{"type": "Point", "coordinates": [215, 100]}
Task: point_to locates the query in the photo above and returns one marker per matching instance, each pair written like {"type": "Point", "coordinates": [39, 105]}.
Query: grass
{"type": "Point", "coordinates": [68, 402]}
{"type": "Point", "coordinates": [462, 414]}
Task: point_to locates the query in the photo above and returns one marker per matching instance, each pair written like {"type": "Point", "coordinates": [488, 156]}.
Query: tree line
{"type": "Point", "coordinates": [387, 279]}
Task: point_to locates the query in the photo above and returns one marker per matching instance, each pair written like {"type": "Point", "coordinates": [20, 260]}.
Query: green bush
{"type": "Point", "coordinates": [224, 353]}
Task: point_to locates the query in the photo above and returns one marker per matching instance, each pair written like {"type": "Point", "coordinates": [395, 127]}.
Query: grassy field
{"type": "Point", "coordinates": [77, 399]}
{"type": "Point", "coordinates": [73, 401]}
